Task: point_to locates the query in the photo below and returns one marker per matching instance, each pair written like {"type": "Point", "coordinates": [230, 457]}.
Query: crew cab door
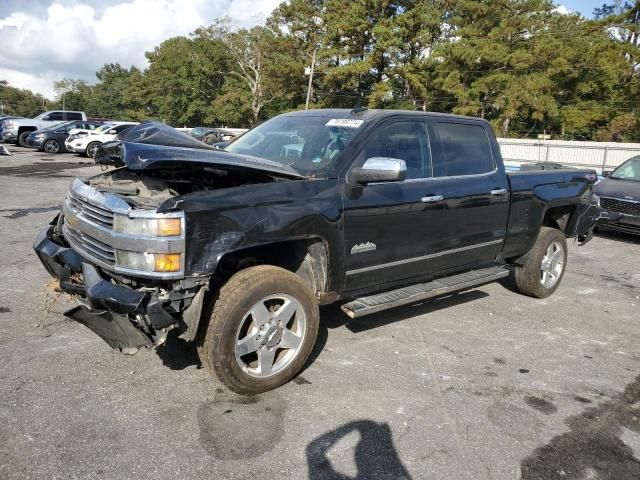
{"type": "Point", "coordinates": [467, 162]}
{"type": "Point", "coordinates": [449, 214]}
{"type": "Point", "coordinates": [392, 228]}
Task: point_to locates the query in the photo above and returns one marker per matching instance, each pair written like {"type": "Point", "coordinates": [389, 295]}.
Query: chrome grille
{"type": "Point", "coordinates": [90, 246]}
{"type": "Point", "coordinates": [94, 213]}
{"type": "Point", "coordinates": [620, 206]}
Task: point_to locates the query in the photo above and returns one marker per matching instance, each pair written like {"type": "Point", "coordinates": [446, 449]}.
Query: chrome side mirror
{"type": "Point", "coordinates": [380, 169]}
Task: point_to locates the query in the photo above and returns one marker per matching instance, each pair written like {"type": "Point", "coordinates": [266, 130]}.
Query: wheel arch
{"type": "Point", "coordinates": [306, 257]}
{"type": "Point", "coordinates": [559, 217]}
{"type": "Point", "coordinates": [21, 130]}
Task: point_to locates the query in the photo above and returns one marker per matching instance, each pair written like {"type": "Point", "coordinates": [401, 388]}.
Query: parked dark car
{"type": "Point", "coordinates": [237, 249]}
{"type": "Point", "coordinates": [212, 135]}
{"type": "Point", "coordinates": [619, 192]}
{"type": "Point", "coordinates": [51, 140]}
{"type": "Point", "coordinates": [200, 132]}
{"type": "Point", "coordinates": [217, 135]}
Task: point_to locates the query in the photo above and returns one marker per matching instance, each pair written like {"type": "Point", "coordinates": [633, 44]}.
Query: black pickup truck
{"type": "Point", "coordinates": [237, 249]}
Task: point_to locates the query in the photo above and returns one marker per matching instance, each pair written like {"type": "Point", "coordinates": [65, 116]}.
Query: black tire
{"type": "Point", "coordinates": [218, 333]}
{"type": "Point", "coordinates": [22, 139]}
{"type": "Point", "coordinates": [529, 277]}
{"type": "Point", "coordinates": [51, 146]}
{"type": "Point", "coordinates": [91, 149]}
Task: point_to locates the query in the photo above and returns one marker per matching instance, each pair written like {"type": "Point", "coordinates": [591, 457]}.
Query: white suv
{"type": "Point", "coordinates": [86, 142]}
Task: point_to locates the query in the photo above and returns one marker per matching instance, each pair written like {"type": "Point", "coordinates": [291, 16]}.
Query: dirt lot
{"type": "Point", "coordinates": [486, 384]}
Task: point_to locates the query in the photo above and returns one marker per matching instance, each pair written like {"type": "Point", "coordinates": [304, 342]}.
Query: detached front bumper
{"type": "Point", "coordinates": [125, 318]}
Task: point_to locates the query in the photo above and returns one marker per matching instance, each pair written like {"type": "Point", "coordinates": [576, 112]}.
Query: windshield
{"type": "Point", "coordinates": [629, 170]}
{"type": "Point", "coordinates": [310, 145]}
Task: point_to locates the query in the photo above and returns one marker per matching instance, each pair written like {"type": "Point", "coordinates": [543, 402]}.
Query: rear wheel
{"type": "Point", "coordinates": [52, 146]}
{"type": "Point", "coordinates": [544, 268]}
{"type": "Point", "coordinates": [92, 149]}
{"type": "Point", "coordinates": [263, 327]}
{"type": "Point", "coordinates": [22, 139]}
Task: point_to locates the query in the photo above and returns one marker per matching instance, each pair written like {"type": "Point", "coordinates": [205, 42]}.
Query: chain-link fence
{"type": "Point", "coordinates": [599, 155]}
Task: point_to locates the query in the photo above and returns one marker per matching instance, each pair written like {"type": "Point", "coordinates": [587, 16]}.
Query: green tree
{"type": "Point", "coordinates": [21, 102]}
{"type": "Point", "coordinates": [73, 94]}
{"type": "Point", "coordinates": [184, 77]}
{"type": "Point", "coordinates": [108, 98]}
{"type": "Point", "coordinates": [254, 61]}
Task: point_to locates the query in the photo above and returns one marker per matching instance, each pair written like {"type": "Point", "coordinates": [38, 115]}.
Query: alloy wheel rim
{"type": "Point", "coordinates": [93, 150]}
{"type": "Point", "coordinates": [270, 335]}
{"type": "Point", "coordinates": [552, 265]}
{"type": "Point", "coordinates": [51, 146]}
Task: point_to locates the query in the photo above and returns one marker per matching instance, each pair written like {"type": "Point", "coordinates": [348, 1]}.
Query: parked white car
{"type": "Point", "coordinates": [86, 142]}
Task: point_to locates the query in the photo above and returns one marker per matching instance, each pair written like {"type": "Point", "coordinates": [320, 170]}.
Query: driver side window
{"type": "Point", "coordinates": [403, 140]}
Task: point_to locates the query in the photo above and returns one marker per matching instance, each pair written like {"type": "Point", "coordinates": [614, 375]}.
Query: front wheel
{"type": "Point", "coordinates": [262, 330]}
{"type": "Point", "coordinates": [544, 268]}
{"type": "Point", "coordinates": [22, 139]}
{"type": "Point", "coordinates": [52, 146]}
{"type": "Point", "coordinates": [92, 149]}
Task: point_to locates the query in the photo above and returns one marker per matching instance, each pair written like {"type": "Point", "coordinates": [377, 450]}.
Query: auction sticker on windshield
{"type": "Point", "coordinates": [344, 122]}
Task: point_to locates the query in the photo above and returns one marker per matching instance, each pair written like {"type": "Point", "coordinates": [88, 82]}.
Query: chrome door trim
{"type": "Point", "coordinates": [424, 257]}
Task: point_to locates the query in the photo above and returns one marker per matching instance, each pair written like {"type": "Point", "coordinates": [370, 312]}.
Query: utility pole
{"type": "Point", "coordinates": [313, 64]}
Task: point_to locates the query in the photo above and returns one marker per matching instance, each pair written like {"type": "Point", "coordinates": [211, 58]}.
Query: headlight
{"type": "Point", "coordinates": [596, 199]}
{"type": "Point", "coordinates": [148, 227]}
{"type": "Point", "coordinates": [81, 134]}
{"type": "Point", "coordinates": [148, 262]}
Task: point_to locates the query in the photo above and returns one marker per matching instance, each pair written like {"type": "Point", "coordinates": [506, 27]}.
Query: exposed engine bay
{"type": "Point", "coordinates": [150, 188]}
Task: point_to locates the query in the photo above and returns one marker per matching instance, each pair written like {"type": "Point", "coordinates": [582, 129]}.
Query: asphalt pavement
{"type": "Point", "coordinates": [486, 384]}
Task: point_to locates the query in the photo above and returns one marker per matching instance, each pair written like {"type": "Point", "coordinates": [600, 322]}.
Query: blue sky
{"type": "Point", "coordinates": [89, 33]}
{"type": "Point", "coordinates": [585, 7]}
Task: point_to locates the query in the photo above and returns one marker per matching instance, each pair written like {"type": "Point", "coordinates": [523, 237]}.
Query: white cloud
{"type": "Point", "coordinates": [74, 39]}
{"type": "Point", "coordinates": [562, 10]}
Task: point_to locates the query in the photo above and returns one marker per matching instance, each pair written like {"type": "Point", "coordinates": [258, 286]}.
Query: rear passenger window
{"type": "Point", "coordinates": [465, 148]}
{"type": "Point", "coordinates": [403, 140]}
{"type": "Point", "coordinates": [55, 116]}
{"type": "Point", "coordinates": [74, 116]}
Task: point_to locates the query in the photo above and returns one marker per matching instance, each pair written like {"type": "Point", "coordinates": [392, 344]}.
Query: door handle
{"type": "Point", "coordinates": [499, 191]}
{"type": "Point", "coordinates": [432, 199]}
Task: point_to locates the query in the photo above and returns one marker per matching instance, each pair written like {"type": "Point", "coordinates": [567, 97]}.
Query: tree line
{"type": "Point", "coordinates": [520, 64]}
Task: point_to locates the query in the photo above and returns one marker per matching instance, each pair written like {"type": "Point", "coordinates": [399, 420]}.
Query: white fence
{"type": "Point", "coordinates": [598, 155]}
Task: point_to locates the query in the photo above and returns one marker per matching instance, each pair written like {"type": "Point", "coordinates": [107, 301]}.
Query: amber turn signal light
{"type": "Point", "coordinates": [166, 262]}
{"type": "Point", "coordinates": [169, 227]}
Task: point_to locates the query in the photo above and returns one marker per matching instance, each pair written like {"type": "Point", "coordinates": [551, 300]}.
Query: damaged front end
{"type": "Point", "coordinates": [120, 242]}
{"type": "Point", "coordinates": [126, 314]}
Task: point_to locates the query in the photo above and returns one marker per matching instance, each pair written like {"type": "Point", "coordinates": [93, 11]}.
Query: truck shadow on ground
{"type": "Point", "coordinates": [592, 448]}
{"type": "Point", "coordinates": [375, 453]}
{"type": "Point", "coordinates": [332, 317]}
{"type": "Point", "coordinates": [178, 354]}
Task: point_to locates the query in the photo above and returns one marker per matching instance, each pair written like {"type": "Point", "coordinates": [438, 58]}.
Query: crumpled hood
{"type": "Point", "coordinates": [623, 189]}
{"type": "Point", "coordinates": [154, 145]}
